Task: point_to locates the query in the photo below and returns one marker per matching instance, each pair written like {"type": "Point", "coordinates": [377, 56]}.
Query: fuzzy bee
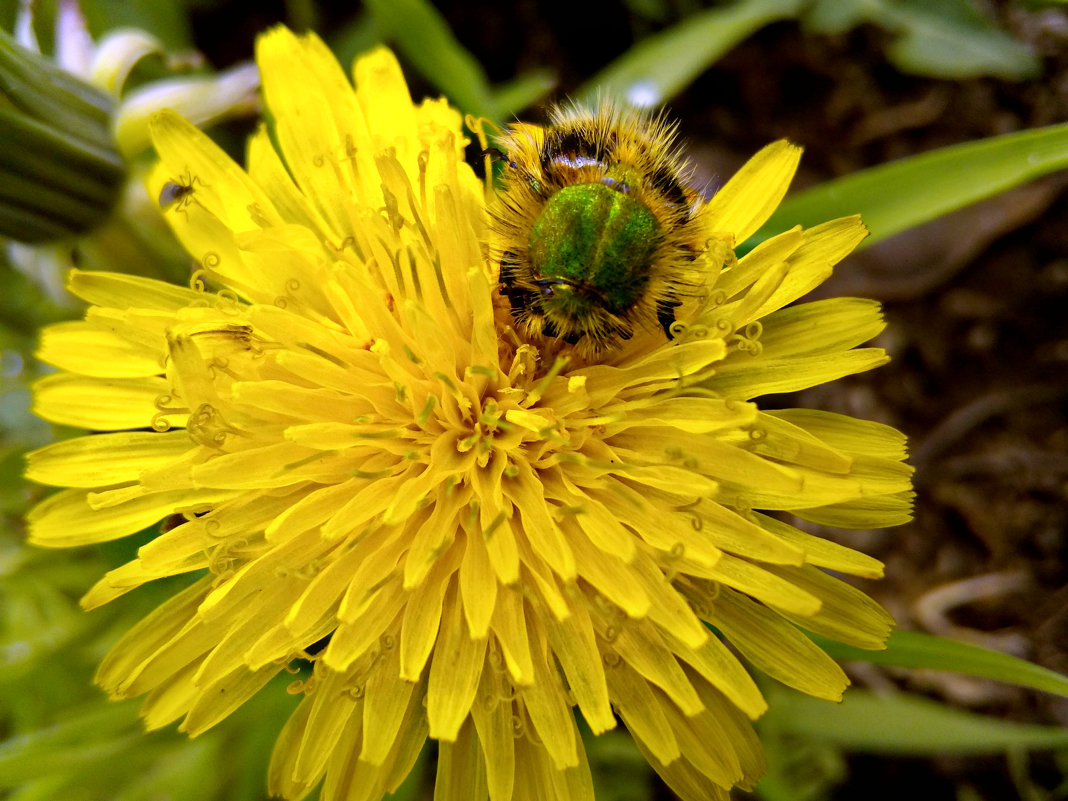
{"type": "Point", "coordinates": [596, 226]}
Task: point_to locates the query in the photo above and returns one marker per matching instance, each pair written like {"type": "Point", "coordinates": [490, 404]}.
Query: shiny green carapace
{"type": "Point", "coordinates": [593, 245]}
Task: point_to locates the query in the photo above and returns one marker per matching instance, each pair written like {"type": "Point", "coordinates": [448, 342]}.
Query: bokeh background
{"type": "Point", "coordinates": [977, 305]}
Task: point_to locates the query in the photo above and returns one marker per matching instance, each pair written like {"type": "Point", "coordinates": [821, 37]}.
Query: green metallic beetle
{"type": "Point", "coordinates": [596, 227]}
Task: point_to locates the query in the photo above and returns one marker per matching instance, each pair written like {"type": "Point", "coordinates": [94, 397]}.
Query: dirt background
{"type": "Point", "coordinates": [976, 304]}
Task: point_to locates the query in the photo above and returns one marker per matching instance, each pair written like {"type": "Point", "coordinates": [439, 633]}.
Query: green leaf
{"type": "Point", "coordinates": [424, 39]}
{"type": "Point", "coordinates": [941, 38]}
{"type": "Point", "coordinates": [903, 724]}
{"type": "Point", "coordinates": [659, 67]}
{"type": "Point", "coordinates": [85, 736]}
{"type": "Point", "coordinates": [522, 92]}
{"type": "Point", "coordinates": [165, 19]}
{"type": "Point", "coordinates": [356, 36]}
{"type": "Point", "coordinates": [905, 193]}
{"type": "Point", "coordinates": [177, 773]}
{"type": "Point", "coordinates": [914, 649]}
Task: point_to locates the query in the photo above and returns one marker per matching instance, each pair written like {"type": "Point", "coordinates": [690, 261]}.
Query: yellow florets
{"type": "Point", "coordinates": [455, 533]}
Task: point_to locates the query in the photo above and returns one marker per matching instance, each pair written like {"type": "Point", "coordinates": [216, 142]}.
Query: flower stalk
{"type": "Point", "coordinates": [60, 172]}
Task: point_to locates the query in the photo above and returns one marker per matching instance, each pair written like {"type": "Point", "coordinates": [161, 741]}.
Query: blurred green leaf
{"type": "Point", "coordinates": [656, 10]}
{"type": "Point", "coordinates": [905, 193]}
{"type": "Point", "coordinates": [941, 38]}
{"type": "Point", "coordinates": [248, 738]}
{"type": "Point", "coordinates": [13, 493]}
{"type": "Point", "coordinates": [8, 10]}
{"type": "Point", "coordinates": [356, 36]}
{"type": "Point", "coordinates": [659, 67]}
{"type": "Point", "coordinates": [904, 724]}
{"type": "Point", "coordinates": [914, 649]}
{"type": "Point", "coordinates": [424, 39]}
{"type": "Point", "coordinates": [798, 770]}
{"type": "Point", "coordinates": [24, 308]}
{"type": "Point", "coordinates": [620, 772]}
{"type": "Point", "coordinates": [167, 20]}
{"type": "Point", "coordinates": [522, 92]}
{"type": "Point", "coordinates": [414, 784]}
{"type": "Point", "coordinates": [86, 736]}
{"type": "Point", "coordinates": [302, 15]}
{"type": "Point", "coordinates": [99, 749]}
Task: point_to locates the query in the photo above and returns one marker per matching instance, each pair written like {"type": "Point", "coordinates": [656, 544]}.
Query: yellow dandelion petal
{"type": "Point", "coordinates": [545, 703]}
{"type": "Point", "coordinates": [419, 631]}
{"type": "Point", "coordinates": [385, 702]}
{"type": "Point", "coordinates": [478, 595]}
{"type": "Point", "coordinates": [749, 198]}
{"type": "Point", "coordinates": [105, 458]}
{"type": "Point", "coordinates": [492, 717]}
{"type": "Point", "coordinates": [217, 699]}
{"type": "Point", "coordinates": [313, 115]}
{"type": "Point", "coordinates": [811, 264]}
{"type": "Point", "coordinates": [91, 350]}
{"type": "Point", "coordinates": [462, 770]}
{"type": "Point", "coordinates": [759, 583]}
{"type": "Point", "coordinates": [644, 711]}
{"type": "Point", "coordinates": [768, 641]}
{"type": "Point", "coordinates": [821, 552]}
{"type": "Point", "coordinates": [510, 630]}
{"type": "Point", "coordinates": [454, 673]}
{"type": "Point", "coordinates": [130, 292]}
{"type": "Point", "coordinates": [119, 669]}
{"type": "Point", "coordinates": [722, 670]}
{"type": "Point", "coordinates": [770, 376]}
{"type": "Point", "coordinates": [71, 517]}
{"type": "Point", "coordinates": [575, 644]}
{"type": "Point", "coordinates": [845, 614]}
{"type": "Point", "coordinates": [641, 647]}
{"type": "Point", "coordinates": [760, 264]}
{"type": "Point", "coordinates": [112, 404]}
{"type": "Point", "coordinates": [298, 763]}
{"type": "Point", "coordinates": [355, 641]}
{"type": "Point", "coordinates": [385, 470]}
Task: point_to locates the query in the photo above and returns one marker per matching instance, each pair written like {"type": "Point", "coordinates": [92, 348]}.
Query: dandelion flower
{"type": "Point", "coordinates": [448, 531]}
